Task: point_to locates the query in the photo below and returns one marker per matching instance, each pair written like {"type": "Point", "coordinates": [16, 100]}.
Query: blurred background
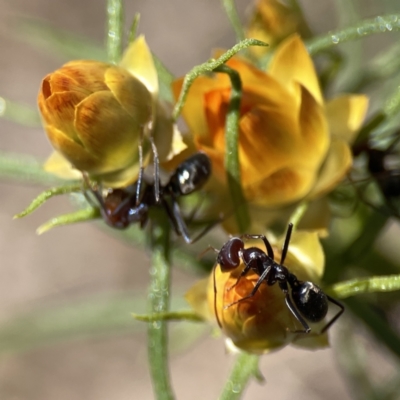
{"type": "Point", "coordinates": [52, 287]}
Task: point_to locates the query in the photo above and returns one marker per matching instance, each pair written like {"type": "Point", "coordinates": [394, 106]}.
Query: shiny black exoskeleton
{"type": "Point", "coordinates": [386, 177]}
{"type": "Point", "coordinates": [305, 300]}
{"type": "Point", "coordinates": [119, 208]}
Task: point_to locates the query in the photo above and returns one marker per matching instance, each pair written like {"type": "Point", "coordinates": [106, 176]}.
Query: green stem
{"type": "Point", "coordinates": [246, 366]}
{"type": "Point", "coordinates": [386, 23]}
{"type": "Point", "coordinates": [232, 164]}
{"type": "Point", "coordinates": [231, 12]}
{"type": "Point", "coordinates": [115, 18]}
{"type": "Point", "coordinates": [209, 66]}
{"type": "Point", "coordinates": [368, 285]}
{"type": "Point", "coordinates": [159, 303]}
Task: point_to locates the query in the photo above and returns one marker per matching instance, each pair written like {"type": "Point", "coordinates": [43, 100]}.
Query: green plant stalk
{"type": "Point", "coordinates": [207, 67]}
{"type": "Point", "coordinates": [159, 303]}
{"type": "Point", "coordinates": [385, 23]}
{"type": "Point", "coordinates": [115, 17]}
{"type": "Point", "coordinates": [232, 164]}
{"type": "Point", "coordinates": [231, 12]}
{"type": "Point", "coordinates": [245, 367]}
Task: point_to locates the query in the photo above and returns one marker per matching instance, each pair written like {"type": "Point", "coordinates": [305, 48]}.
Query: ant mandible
{"type": "Point", "coordinates": [305, 300]}
{"type": "Point", "coordinates": [119, 208]}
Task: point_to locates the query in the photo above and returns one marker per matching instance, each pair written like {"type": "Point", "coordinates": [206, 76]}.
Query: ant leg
{"type": "Point", "coordinates": [295, 313]}
{"type": "Point", "coordinates": [175, 218]}
{"type": "Point", "coordinates": [206, 250]}
{"type": "Point", "coordinates": [336, 317]}
{"type": "Point", "coordinates": [179, 223]}
{"type": "Point", "coordinates": [245, 270]}
{"type": "Point", "coordinates": [215, 296]}
{"type": "Point", "coordinates": [156, 163]}
{"type": "Point", "coordinates": [267, 244]}
{"type": "Point", "coordinates": [286, 243]}
{"type": "Point", "coordinates": [254, 291]}
{"type": "Point", "coordinates": [141, 169]}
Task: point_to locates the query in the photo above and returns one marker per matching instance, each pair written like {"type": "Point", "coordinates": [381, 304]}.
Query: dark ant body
{"type": "Point", "coordinates": [305, 300]}
{"type": "Point", "coordinates": [119, 208]}
{"type": "Point", "coordinates": [386, 178]}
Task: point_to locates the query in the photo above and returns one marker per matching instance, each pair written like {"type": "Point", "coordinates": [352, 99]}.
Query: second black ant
{"type": "Point", "coordinates": [119, 208]}
{"type": "Point", "coordinates": [387, 177]}
{"type": "Point", "coordinates": [305, 300]}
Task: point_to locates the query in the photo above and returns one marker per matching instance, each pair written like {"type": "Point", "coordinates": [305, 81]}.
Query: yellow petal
{"type": "Point", "coordinates": [196, 296]}
{"type": "Point", "coordinates": [338, 161]}
{"type": "Point", "coordinates": [317, 217]}
{"type": "Point", "coordinates": [292, 63]}
{"type": "Point", "coordinates": [131, 94]}
{"type": "Point", "coordinates": [71, 150]}
{"type": "Point", "coordinates": [61, 167]}
{"type": "Point", "coordinates": [96, 118]}
{"type": "Point", "coordinates": [138, 60]}
{"type": "Point", "coordinates": [193, 111]}
{"type": "Point", "coordinates": [345, 114]}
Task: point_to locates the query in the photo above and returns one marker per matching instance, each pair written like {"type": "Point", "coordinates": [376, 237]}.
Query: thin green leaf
{"type": "Point", "coordinates": [207, 67]}
{"type": "Point", "coordinates": [46, 195]}
{"type": "Point", "coordinates": [245, 367]}
{"type": "Point", "coordinates": [378, 325]}
{"type": "Point", "coordinates": [20, 113]}
{"type": "Point", "coordinates": [115, 19]}
{"type": "Point", "coordinates": [90, 317]}
{"type": "Point", "coordinates": [86, 214]}
{"type": "Point", "coordinates": [381, 24]}
{"type": "Point", "coordinates": [165, 79]}
{"type": "Point", "coordinates": [169, 316]}
{"type": "Point", "coordinates": [26, 169]}
{"type": "Point", "coordinates": [374, 284]}
{"type": "Point", "coordinates": [58, 42]}
{"type": "Point", "coordinates": [134, 28]}
{"type": "Point", "coordinates": [231, 12]}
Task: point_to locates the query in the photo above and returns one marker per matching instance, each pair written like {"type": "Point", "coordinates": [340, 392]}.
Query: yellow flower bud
{"type": "Point", "coordinates": [94, 113]}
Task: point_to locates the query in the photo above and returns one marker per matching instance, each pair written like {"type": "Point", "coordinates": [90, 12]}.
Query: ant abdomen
{"type": "Point", "coordinates": [310, 300]}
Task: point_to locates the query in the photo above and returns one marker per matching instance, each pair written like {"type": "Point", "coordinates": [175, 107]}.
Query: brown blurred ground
{"type": "Point", "coordinates": [77, 261]}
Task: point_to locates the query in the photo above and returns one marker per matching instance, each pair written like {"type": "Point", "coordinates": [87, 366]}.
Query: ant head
{"type": "Point", "coordinates": [190, 175]}
{"type": "Point", "coordinates": [310, 300]}
{"type": "Point", "coordinates": [229, 256]}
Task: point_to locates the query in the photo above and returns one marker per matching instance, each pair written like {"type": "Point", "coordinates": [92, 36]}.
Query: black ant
{"type": "Point", "coordinates": [386, 178]}
{"type": "Point", "coordinates": [305, 300]}
{"type": "Point", "coordinates": [120, 209]}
